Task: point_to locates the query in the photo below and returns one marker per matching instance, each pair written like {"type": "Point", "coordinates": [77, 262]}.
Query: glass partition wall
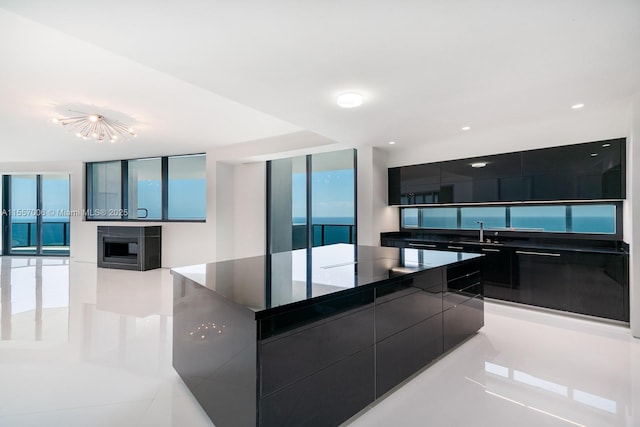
{"type": "Point", "coordinates": [171, 188]}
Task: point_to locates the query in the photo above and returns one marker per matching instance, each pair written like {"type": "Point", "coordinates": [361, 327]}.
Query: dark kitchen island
{"type": "Point", "coordinates": [309, 338]}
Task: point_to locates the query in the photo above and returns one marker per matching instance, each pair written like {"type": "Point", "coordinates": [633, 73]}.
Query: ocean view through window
{"type": "Point", "coordinates": [36, 214]}
{"type": "Point", "coordinates": [311, 201]}
{"type": "Point", "coordinates": [170, 188]}
{"type": "Point", "coordinates": [584, 218]}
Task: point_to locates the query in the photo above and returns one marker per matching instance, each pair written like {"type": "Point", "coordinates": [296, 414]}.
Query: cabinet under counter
{"type": "Point", "coordinates": [313, 337]}
{"type": "Point", "coordinates": [574, 278]}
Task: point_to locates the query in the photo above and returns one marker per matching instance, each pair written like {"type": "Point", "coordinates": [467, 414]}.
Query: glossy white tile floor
{"type": "Point", "coordinates": [83, 346]}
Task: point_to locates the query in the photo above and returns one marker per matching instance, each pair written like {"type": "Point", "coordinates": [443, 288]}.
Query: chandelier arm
{"type": "Point", "coordinates": [71, 120]}
{"type": "Point", "coordinates": [85, 128]}
{"type": "Point", "coordinates": [96, 125]}
{"type": "Point", "coordinates": [120, 127]}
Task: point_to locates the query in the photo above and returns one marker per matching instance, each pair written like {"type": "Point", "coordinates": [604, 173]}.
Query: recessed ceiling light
{"type": "Point", "coordinates": [577, 106]}
{"type": "Point", "coordinates": [606, 145]}
{"type": "Point", "coordinates": [392, 142]}
{"type": "Point", "coordinates": [594, 154]}
{"type": "Point", "coordinates": [478, 164]}
{"type": "Point", "coordinates": [349, 100]}
{"type": "Point", "coordinates": [466, 128]}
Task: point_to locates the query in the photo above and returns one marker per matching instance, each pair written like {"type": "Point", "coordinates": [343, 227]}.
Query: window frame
{"type": "Point", "coordinates": [617, 235]}
{"type": "Point", "coordinates": [124, 196]}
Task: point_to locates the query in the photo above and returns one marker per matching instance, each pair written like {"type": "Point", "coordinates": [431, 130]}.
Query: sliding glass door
{"type": "Point", "coordinates": [311, 201]}
{"type": "Point", "coordinates": [55, 225]}
{"type": "Point", "coordinates": [22, 214]}
{"type": "Point", "coordinates": [36, 214]}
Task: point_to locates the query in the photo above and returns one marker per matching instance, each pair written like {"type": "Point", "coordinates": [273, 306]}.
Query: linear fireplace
{"type": "Point", "coordinates": [129, 248]}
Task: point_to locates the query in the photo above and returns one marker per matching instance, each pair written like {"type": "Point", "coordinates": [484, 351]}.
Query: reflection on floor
{"type": "Point", "coordinates": [87, 346]}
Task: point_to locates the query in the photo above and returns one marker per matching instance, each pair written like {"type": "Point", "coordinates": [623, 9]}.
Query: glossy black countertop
{"type": "Point", "coordinates": [267, 282]}
{"type": "Point", "coordinates": [534, 244]}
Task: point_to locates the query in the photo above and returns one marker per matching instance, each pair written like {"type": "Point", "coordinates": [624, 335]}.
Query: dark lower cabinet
{"type": "Point", "coordinates": [595, 284]}
{"type": "Point", "coordinates": [320, 362]}
{"type": "Point", "coordinates": [408, 317]}
{"type": "Point", "coordinates": [325, 398]}
{"type": "Point", "coordinates": [592, 283]}
{"type": "Point", "coordinates": [463, 304]}
{"type": "Point", "coordinates": [461, 321]}
{"type": "Point", "coordinates": [310, 348]}
{"type": "Point", "coordinates": [543, 279]}
{"type": "Point", "coordinates": [598, 285]}
{"type": "Point", "coordinates": [420, 344]}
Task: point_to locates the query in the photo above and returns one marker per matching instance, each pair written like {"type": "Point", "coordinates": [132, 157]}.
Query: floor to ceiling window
{"type": "Point", "coordinates": [311, 201]}
{"type": "Point", "coordinates": [35, 218]}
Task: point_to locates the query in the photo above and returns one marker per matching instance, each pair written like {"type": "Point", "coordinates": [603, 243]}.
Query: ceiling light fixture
{"type": "Point", "coordinates": [392, 142]}
{"type": "Point", "coordinates": [466, 128]}
{"type": "Point", "coordinates": [96, 126]}
{"type": "Point", "coordinates": [478, 164]}
{"type": "Point", "coordinates": [349, 100]}
{"type": "Point", "coordinates": [577, 106]}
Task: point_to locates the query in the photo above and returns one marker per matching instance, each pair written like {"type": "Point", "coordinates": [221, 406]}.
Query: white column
{"type": "Point", "coordinates": [374, 213]}
{"type": "Point", "coordinates": [633, 198]}
{"type": "Point", "coordinates": [224, 211]}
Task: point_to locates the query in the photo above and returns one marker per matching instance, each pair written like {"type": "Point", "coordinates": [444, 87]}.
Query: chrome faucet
{"type": "Point", "coordinates": [481, 230]}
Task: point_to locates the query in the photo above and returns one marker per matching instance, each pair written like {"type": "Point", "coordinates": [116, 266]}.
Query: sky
{"type": "Point", "coordinates": [332, 193]}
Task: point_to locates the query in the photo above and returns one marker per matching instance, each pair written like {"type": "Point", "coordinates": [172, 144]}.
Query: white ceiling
{"type": "Point", "coordinates": [194, 75]}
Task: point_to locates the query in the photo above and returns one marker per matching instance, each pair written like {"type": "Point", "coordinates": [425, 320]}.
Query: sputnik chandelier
{"type": "Point", "coordinates": [96, 126]}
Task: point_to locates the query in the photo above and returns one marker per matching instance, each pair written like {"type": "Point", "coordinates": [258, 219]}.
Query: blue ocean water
{"type": "Point", "coordinates": [583, 224]}
{"type": "Point", "coordinates": [55, 232]}
{"type": "Point", "coordinates": [326, 231]}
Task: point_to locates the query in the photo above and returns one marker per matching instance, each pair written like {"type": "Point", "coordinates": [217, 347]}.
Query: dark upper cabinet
{"type": "Point", "coordinates": [465, 181]}
{"type": "Point", "coordinates": [575, 172]}
{"type": "Point", "coordinates": [394, 181]}
{"type": "Point", "coordinates": [415, 184]}
{"type": "Point", "coordinates": [589, 171]}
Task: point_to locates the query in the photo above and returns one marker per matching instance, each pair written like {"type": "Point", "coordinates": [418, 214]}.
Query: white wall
{"type": "Point", "coordinates": [633, 187]}
{"type": "Point", "coordinates": [588, 124]}
{"type": "Point", "coordinates": [224, 211]}
{"type": "Point", "coordinates": [250, 209]}
{"type": "Point", "coordinates": [374, 214]}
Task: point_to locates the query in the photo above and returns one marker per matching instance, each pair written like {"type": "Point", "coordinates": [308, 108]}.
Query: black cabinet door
{"type": "Point", "coordinates": [599, 285]}
{"type": "Point", "coordinates": [420, 184]}
{"type": "Point", "coordinates": [393, 185]}
{"type": "Point", "coordinates": [496, 272]}
{"type": "Point", "coordinates": [408, 327]}
{"type": "Point", "coordinates": [462, 321]}
{"type": "Point", "coordinates": [575, 172]}
{"type": "Point", "coordinates": [466, 180]}
{"type": "Point", "coordinates": [416, 184]}
{"type": "Point", "coordinates": [543, 279]}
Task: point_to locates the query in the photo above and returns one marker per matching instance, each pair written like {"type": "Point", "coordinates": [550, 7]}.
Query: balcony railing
{"type": "Point", "coordinates": [24, 234]}
{"type": "Point", "coordinates": [323, 234]}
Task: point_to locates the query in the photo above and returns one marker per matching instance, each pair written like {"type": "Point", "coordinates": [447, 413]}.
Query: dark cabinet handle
{"type": "Point", "coordinates": [536, 253]}
{"type": "Point", "coordinates": [421, 245]}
